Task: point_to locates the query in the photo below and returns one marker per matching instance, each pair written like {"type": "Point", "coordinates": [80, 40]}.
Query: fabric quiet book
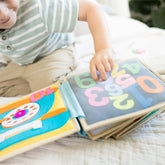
{"type": "Point", "coordinates": [131, 95]}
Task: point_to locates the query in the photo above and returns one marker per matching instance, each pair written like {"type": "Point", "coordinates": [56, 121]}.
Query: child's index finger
{"type": "Point", "coordinates": [94, 73]}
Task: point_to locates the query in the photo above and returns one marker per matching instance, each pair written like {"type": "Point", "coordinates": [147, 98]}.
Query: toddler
{"type": "Point", "coordinates": [35, 35]}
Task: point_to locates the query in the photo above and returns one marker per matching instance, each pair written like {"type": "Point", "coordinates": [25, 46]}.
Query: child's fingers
{"type": "Point", "coordinates": [106, 65]}
{"type": "Point", "coordinates": [110, 60]}
{"type": "Point", "coordinates": [102, 72]}
{"type": "Point", "coordinates": [93, 72]}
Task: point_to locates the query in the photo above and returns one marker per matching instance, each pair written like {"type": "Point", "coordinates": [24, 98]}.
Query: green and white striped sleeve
{"type": "Point", "coordinates": [59, 16]}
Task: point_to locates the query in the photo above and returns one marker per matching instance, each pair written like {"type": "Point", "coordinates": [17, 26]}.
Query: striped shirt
{"type": "Point", "coordinates": [42, 26]}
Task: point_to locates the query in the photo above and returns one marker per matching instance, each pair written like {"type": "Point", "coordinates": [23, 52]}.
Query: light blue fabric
{"type": "Point", "coordinates": [70, 101]}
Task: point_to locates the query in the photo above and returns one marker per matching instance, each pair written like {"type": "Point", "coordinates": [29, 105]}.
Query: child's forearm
{"type": "Point", "coordinates": [96, 20]}
{"type": "Point", "coordinates": [98, 27]}
{"type": "Point", "coordinates": [102, 60]}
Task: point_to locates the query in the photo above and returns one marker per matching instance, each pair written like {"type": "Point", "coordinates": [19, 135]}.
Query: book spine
{"type": "Point", "coordinates": [70, 101]}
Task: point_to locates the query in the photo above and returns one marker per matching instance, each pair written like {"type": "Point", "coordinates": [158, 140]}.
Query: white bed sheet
{"type": "Point", "coordinates": [145, 145]}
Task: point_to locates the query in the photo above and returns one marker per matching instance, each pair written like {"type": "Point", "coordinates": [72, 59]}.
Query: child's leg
{"type": "Point", "coordinates": [50, 68]}
{"type": "Point", "coordinates": [14, 87]}
{"type": "Point", "coordinates": [11, 71]}
{"type": "Point", "coordinates": [11, 83]}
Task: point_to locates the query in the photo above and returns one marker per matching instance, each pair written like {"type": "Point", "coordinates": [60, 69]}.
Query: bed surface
{"type": "Point", "coordinates": [145, 145]}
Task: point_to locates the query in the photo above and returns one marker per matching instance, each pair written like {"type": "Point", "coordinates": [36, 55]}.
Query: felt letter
{"type": "Point", "coordinates": [125, 80]}
{"type": "Point", "coordinates": [50, 91]}
{"type": "Point", "coordinates": [92, 97]}
{"type": "Point", "coordinates": [37, 96]}
{"type": "Point", "coordinates": [145, 102]}
{"type": "Point", "coordinates": [118, 102]}
{"type": "Point", "coordinates": [133, 68]}
{"type": "Point", "coordinates": [115, 71]}
{"type": "Point", "coordinates": [108, 81]}
{"type": "Point", "coordinates": [158, 87]}
{"type": "Point", "coordinates": [84, 83]}
{"type": "Point", "coordinates": [113, 89]}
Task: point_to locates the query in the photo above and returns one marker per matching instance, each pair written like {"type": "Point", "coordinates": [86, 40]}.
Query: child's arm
{"type": "Point", "coordinates": [102, 61]}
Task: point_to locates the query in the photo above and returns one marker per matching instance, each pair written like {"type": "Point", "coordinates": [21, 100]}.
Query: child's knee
{"type": "Point", "coordinates": [14, 87]}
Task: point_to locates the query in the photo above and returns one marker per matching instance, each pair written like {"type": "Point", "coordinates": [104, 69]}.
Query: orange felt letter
{"type": "Point", "coordinates": [159, 88]}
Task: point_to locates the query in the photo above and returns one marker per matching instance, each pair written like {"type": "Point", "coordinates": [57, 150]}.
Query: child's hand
{"type": "Point", "coordinates": [99, 28]}
{"type": "Point", "coordinates": [102, 62]}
